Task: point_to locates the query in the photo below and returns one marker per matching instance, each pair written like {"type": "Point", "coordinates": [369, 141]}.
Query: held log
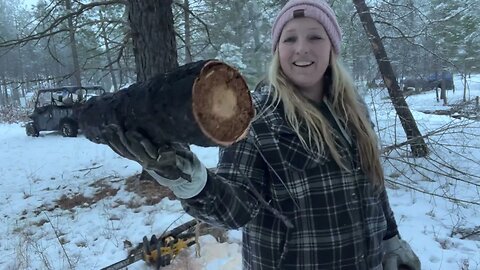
{"type": "Point", "coordinates": [206, 103]}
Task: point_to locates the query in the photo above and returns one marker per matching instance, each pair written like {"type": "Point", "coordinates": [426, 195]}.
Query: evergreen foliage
{"type": "Point", "coordinates": [421, 37]}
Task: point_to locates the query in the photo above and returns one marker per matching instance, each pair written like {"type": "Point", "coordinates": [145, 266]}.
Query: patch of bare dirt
{"type": "Point", "coordinates": [148, 189]}
{"type": "Point", "coordinates": [103, 190]}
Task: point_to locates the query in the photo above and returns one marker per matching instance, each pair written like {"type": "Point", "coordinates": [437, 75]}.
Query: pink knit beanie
{"type": "Point", "coordinates": [315, 9]}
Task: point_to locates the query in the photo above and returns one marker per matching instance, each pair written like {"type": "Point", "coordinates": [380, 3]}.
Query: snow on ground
{"type": "Point", "coordinates": [40, 228]}
{"type": "Point", "coordinates": [36, 172]}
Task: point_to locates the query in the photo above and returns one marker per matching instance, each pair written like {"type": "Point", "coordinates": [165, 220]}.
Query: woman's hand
{"type": "Point", "coordinates": [399, 255]}
{"type": "Point", "coordinates": [172, 165]}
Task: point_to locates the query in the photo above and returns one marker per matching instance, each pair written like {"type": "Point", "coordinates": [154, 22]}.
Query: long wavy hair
{"type": "Point", "coordinates": [313, 128]}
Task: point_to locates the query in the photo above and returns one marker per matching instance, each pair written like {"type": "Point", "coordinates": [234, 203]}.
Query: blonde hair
{"type": "Point", "coordinates": [300, 113]}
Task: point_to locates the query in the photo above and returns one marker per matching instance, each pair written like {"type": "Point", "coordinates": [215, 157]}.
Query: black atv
{"type": "Point", "coordinates": [54, 109]}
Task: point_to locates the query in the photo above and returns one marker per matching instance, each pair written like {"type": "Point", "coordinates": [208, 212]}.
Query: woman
{"type": "Point", "coordinates": [311, 154]}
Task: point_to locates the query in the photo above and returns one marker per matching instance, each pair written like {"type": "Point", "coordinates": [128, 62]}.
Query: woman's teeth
{"type": "Point", "coordinates": [302, 64]}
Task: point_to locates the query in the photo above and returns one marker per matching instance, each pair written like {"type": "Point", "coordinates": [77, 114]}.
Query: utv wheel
{"type": "Point", "coordinates": [69, 129]}
{"type": "Point", "coordinates": [31, 130]}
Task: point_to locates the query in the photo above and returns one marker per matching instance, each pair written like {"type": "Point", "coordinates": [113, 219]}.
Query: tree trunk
{"type": "Point", "coordinates": [108, 54]}
{"type": "Point", "coordinates": [73, 44]}
{"type": "Point", "coordinates": [153, 36]}
{"type": "Point", "coordinates": [418, 145]}
{"type": "Point", "coordinates": [15, 95]}
{"type": "Point", "coordinates": [21, 73]}
{"type": "Point", "coordinates": [4, 93]}
{"type": "Point", "coordinates": [443, 89]}
{"type": "Point", "coordinates": [6, 101]}
{"type": "Point", "coordinates": [188, 43]}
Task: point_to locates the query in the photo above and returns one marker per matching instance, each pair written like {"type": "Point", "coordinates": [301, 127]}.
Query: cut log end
{"type": "Point", "coordinates": [221, 103]}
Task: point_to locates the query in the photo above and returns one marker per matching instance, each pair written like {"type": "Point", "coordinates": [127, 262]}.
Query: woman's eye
{"type": "Point", "coordinates": [289, 39]}
{"type": "Point", "coordinates": [315, 37]}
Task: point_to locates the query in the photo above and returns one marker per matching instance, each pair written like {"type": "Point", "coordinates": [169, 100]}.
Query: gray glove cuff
{"type": "Point", "coordinates": [392, 244]}
{"type": "Point", "coordinates": [182, 188]}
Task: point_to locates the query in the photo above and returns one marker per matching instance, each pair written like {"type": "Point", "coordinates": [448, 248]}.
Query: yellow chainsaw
{"type": "Point", "coordinates": [160, 251]}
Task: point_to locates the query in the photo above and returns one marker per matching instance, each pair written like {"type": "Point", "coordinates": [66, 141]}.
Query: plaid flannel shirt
{"type": "Point", "coordinates": [339, 218]}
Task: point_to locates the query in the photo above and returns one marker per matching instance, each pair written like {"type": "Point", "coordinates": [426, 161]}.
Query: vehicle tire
{"type": "Point", "coordinates": [31, 130]}
{"type": "Point", "coordinates": [69, 129]}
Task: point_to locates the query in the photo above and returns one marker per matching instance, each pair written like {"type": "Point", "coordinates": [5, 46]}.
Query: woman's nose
{"type": "Point", "coordinates": [302, 48]}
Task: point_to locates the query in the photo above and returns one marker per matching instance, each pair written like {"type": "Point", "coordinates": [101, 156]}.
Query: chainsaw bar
{"type": "Point", "coordinates": [138, 253]}
{"type": "Point", "coordinates": [131, 258]}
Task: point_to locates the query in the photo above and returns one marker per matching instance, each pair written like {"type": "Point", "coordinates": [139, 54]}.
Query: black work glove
{"type": "Point", "coordinates": [172, 165]}
{"type": "Point", "coordinates": [134, 146]}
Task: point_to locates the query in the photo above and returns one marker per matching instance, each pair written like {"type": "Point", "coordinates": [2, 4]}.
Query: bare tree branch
{"type": "Point", "coordinates": [57, 22]}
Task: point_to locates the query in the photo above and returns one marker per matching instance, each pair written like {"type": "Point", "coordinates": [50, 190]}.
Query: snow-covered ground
{"type": "Point", "coordinates": [41, 229]}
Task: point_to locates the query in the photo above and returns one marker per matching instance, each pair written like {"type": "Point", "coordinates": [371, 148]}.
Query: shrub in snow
{"type": "Point", "coordinates": [11, 114]}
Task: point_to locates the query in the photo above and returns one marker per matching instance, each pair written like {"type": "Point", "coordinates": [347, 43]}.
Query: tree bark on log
{"type": "Point", "coordinates": [418, 146]}
{"type": "Point", "coordinates": [206, 103]}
